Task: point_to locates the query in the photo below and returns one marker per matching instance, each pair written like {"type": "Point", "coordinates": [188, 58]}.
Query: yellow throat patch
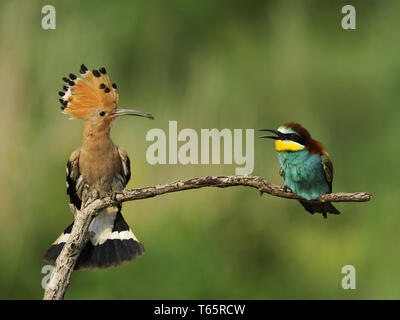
{"type": "Point", "coordinates": [287, 145]}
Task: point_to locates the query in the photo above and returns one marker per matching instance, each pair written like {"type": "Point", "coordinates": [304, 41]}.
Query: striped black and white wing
{"type": "Point", "coordinates": [74, 179]}
{"type": "Point", "coordinates": [126, 165]}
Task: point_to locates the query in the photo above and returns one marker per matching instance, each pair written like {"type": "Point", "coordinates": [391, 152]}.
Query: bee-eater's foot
{"type": "Point", "coordinates": [287, 189]}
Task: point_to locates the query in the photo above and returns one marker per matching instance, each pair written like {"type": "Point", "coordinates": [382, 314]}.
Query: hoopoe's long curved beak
{"type": "Point", "coordinates": [130, 112]}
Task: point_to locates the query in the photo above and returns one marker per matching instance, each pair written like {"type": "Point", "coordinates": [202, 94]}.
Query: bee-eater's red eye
{"type": "Point", "coordinates": [293, 136]}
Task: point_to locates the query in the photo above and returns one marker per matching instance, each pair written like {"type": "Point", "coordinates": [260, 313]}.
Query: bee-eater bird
{"type": "Point", "coordinates": [98, 168]}
{"type": "Point", "coordinates": [305, 166]}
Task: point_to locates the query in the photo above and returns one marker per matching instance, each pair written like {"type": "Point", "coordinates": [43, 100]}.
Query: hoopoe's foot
{"type": "Point", "coordinates": [113, 196]}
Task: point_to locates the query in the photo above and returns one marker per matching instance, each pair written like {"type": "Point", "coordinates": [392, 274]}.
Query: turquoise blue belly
{"type": "Point", "coordinates": [303, 174]}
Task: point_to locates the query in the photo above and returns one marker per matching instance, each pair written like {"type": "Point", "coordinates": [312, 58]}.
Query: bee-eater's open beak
{"type": "Point", "coordinates": [129, 112]}
{"type": "Point", "coordinates": [279, 134]}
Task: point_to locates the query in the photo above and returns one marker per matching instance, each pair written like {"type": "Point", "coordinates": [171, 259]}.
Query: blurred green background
{"type": "Point", "coordinates": [218, 65]}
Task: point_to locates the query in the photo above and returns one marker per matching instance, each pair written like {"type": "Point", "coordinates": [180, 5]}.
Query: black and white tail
{"type": "Point", "coordinates": [111, 243]}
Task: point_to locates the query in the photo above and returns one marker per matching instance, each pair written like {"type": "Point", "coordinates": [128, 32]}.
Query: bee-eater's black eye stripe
{"type": "Point", "coordinates": [295, 138]}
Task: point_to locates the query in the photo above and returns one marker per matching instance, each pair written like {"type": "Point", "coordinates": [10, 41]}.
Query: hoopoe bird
{"type": "Point", "coordinates": [98, 168]}
{"type": "Point", "coordinates": [304, 165]}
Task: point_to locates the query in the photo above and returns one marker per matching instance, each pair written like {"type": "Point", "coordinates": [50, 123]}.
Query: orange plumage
{"type": "Point", "coordinates": [92, 91]}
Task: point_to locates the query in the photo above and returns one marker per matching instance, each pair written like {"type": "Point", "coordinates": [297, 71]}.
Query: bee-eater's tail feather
{"type": "Point", "coordinates": [110, 246]}
{"type": "Point", "coordinates": [323, 208]}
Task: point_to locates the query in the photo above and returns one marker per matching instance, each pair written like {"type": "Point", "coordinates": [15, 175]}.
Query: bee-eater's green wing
{"type": "Point", "coordinates": [328, 169]}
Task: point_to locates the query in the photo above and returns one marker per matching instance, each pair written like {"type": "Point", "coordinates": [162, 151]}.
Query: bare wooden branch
{"type": "Point", "coordinates": [68, 257]}
{"type": "Point", "coordinates": [259, 183]}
